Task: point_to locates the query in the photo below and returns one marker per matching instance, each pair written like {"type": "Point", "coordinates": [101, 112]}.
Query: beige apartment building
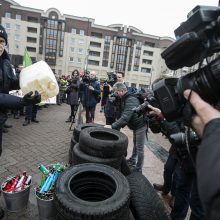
{"type": "Point", "coordinates": [68, 42]}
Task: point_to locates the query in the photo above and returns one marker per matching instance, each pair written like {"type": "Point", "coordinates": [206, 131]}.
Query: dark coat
{"type": "Point", "coordinates": [128, 116]}
{"type": "Point", "coordinates": [73, 92]}
{"type": "Point", "coordinates": [90, 97]}
{"type": "Point", "coordinates": [208, 170]}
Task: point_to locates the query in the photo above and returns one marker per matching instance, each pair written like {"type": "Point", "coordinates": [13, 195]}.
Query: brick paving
{"type": "Point", "coordinates": [48, 142]}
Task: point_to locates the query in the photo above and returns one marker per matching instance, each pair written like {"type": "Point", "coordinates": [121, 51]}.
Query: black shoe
{"type": "Point", "coordinates": [2, 213]}
{"type": "Point", "coordinates": [34, 120]}
{"type": "Point", "coordinates": [131, 162]}
{"type": "Point", "coordinates": [5, 130]}
{"type": "Point", "coordinates": [160, 188]}
{"type": "Point", "coordinates": [69, 119]}
{"type": "Point", "coordinates": [26, 122]}
{"type": "Point", "coordinates": [7, 126]}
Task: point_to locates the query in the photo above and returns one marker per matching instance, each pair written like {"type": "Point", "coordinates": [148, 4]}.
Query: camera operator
{"type": "Point", "coordinates": [207, 124]}
{"type": "Point", "coordinates": [90, 94]}
{"type": "Point", "coordinates": [182, 169]}
{"type": "Point", "coordinates": [133, 121]}
{"type": "Point", "coordinates": [8, 81]}
{"type": "Point", "coordinates": [112, 103]}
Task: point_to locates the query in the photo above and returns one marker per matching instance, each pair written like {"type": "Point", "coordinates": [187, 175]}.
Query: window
{"type": "Point", "coordinates": [16, 46]}
{"type": "Point", "coordinates": [145, 70]}
{"type": "Point", "coordinates": [17, 37]}
{"type": "Point", "coordinates": [145, 61]}
{"type": "Point", "coordinates": [95, 44]}
{"type": "Point", "coordinates": [31, 49]}
{"type": "Point", "coordinates": [79, 60]}
{"type": "Point", "coordinates": [72, 49]}
{"type": "Point", "coordinates": [82, 32]}
{"type": "Point", "coordinates": [7, 15]}
{"type": "Point", "coordinates": [107, 39]}
{"type": "Point", "coordinates": [139, 43]}
{"type": "Point", "coordinates": [73, 40]}
{"type": "Point", "coordinates": [94, 53]}
{"type": "Point", "coordinates": [31, 30]}
{"type": "Point", "coordinates": [105, 63]}
{"type": "Point", "coordinates": [32, 19]}
{"type": "Point", "coordinates": [18, 27]}
{"type": "Point", "coordinates": [135, 68]}
{"type": "Point", "coordinates": [149, 44]}
{"type": "Point", "coordinates": [73, 31]}
{"type": "Point", "coordinates": [81, 41]}
{"type": "Point", "coordinates": [143, 86]}
{"type": "Point", "coordinates": [32, 39]}
{"type": "Point", "coordinates": [96, 35]}
{"type": "Point", "coordinates": [80, 51]}
{"type": "Point", "coordinates": [93, 62]}
{"type": "Point", "coordinates": [71, 59]}
{"type": "Point", "coordinates": [7, 26]}
{"type": "Point", "coordinates": [18, 17]}
{"type": "Point", "coordinates": [148, 53]}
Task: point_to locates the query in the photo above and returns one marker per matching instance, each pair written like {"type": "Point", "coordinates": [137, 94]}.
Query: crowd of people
{"type": "Point", "coordinates": [190, 186]}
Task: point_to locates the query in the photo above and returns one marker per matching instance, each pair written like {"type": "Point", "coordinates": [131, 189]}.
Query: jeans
{"type": "Point", "coordinates": [186, 195]}
{"type": "Point", "coordinates": [169, 174]}
{"type": "Point", "coordinates": [139, 137]}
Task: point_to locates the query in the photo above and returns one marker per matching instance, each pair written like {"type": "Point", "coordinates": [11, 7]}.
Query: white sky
{"type": "Point", "coordinates": [155, 17]}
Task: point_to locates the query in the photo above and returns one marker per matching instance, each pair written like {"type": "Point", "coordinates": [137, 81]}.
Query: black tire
{"type": "Point", "coordinates": [103, 142]}
{"type": "Point", "coordinates": [80, 127]}
{"type": "Point", "coordinates": [125, 169]}
{"type": "Point", "coordinates": [80, 157]}
{"type": "Point", "coordinates": [72, 144]}
{"type": "Point", "coordinates": [92, 191]}
{"type": "Point", "coordinates": [145, 202]}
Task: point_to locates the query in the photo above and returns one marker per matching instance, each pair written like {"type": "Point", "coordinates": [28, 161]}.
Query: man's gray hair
{"type": "Point", "coordinates": [119, 86]}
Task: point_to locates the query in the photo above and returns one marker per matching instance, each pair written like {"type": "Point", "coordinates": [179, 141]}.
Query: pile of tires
{"type": "Point", "coordinates": [76, 134]}
{"type": "Point", "coordinates": [92, 192]}
{"type": "Point", "coordinates": [100, 145]}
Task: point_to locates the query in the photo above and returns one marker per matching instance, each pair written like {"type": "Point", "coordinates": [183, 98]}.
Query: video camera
{"type": "Point", "coordinates": [86, 78]}
{"type": "Point", "coordinates": [112, 78]}
{"type": "Point", "coordinates": [197, 39]}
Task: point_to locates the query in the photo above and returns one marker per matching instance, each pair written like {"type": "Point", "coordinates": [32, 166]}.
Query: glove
{"type": "Point", "coordinates": [28, 99]}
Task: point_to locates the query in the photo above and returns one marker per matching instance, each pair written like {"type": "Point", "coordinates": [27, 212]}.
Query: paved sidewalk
{"type": "Point", "coordinates": [48, 142]}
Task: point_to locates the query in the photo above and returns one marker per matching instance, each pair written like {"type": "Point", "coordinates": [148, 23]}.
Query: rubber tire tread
{"type": "Point", "coordinates": [77, 129]}
{"type": "Point", "coordinates": [72, 144]}
{"type": "Point", "coordinates": [103, 148]}
{"type": "Point", "coordinates": [145, 202]}
{"type": "Point", "coordinates": [80, 157]}
{"type": "Point", "coordinates": [70, 207]}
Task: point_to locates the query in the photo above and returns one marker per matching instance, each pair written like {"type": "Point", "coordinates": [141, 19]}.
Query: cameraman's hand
{"type": "Point", "coordinates": [30, 99]}
{"type": "Point", "coordinates": [155, 111]}
{"type": "Point", "coordinates": [91, 88]}
{"type": "Point", "coordinates": [204, 111]}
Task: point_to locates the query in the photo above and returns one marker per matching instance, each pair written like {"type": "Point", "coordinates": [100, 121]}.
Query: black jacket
{"type": "Point", "coordinates": [128, 116]}
{"type": "Point", "coordinates": [208, 170]}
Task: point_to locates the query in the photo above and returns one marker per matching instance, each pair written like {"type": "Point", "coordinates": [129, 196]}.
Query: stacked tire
{"type": "Point", "coordinates": [100, 145]}
{"type": "Point", "coordinates": [76, 134]}
{"type": "Point", "coordinates": [92, 191]}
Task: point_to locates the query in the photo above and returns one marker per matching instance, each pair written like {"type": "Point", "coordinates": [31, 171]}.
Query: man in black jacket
{"type": "Point", "coordinates": [133, 121]}
{"type": "Point", "coordinates": [207, 124]}
{"type": "Point", "coordinates": [9, 81]}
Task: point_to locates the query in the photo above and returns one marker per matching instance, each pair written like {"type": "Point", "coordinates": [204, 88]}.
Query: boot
{"type": "Point", "coordinates": [26, 122]}
{"type": "Point", "coordinates": [69, 119]}
{"type": "Point", "coordinates": [2, 213]}
{"type": "Point", "coordinates": [35, 120]}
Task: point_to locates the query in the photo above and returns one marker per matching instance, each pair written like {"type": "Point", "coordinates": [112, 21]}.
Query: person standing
{"type": "Point", "coordinates": [91, 92]}
{"type": "Point", "coordinates": [73, 95]}
{"type": "Point", "coordinates": [9, 81]}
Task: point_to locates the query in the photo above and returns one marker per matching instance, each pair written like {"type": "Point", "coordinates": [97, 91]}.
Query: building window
{"type": "Point", "coordinates": [95, 44]}
{"type": "Point", "coordinates": [18, 27]}
{"type": "Point", "coordinates": [7, 15]}
{"type": "Point", "coordinates": [94, 53]}
{"type": "Point", "coordinates": [143, 86]}
{"type": "Point", "coordinates": [145, 70]}
{"type": "Point", "coordinates": [80, 51]}
{"type": "Point", "coordinates": [31, 29]}
{"type": "Point", "coordinates": [72, 49]}
{"type": "Point", "coordinates": [105, 63]}
{"type": "Point", "coordinates": [73, 40]}
{"type": "Point", "coordinates": [93, 62]}
{"type": "Point", "coordinates": [107, 39]}
{"type": "Point", "coordinates": [149, 44]}
{"type": "Point", "coordinates": [31, 39]}
{"type": "Point", "coordinates": [17, 37]}
{"type": "Point", "coordinates": [7, 26]}
{"type": "Point", "coordinates": [79, 60]}
{"type": "Point", "coordinates": [71, 59]}
{"type": "Point", "coordinates": [31, 49]}
{"type": "Point", "coordinates": [82, 32]}
{"type": "Point", "coordinates": [146, 61]}
{"type": "Point", "coordinates": [18, 17]}
{"type": "Point", "coordinates": [96, 35]}
{"type": "Point", "coordinates": [135, 68]}
{"type": "Point", "coordinates": [32, 19]}
{"type": "Point", "coordinates": [148, 53]}
{"type": "Point", "coordinates": [73, 31]}
{"type": "Point", "coordinates": [16, 46]}
{"type": "Point", "coordinates": [81, 41]}
{"type": "Point", "coordinates": [139, 44]}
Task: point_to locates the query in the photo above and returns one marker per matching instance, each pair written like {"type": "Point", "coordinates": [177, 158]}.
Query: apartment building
{"type": "Point", "coordinates": [68, 42]}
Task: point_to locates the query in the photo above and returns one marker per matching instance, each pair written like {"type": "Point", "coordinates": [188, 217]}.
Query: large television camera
{"type": "Point", "coordinates": [86, 78]}
{"type": "Point", "coordinates": [197, 38]}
